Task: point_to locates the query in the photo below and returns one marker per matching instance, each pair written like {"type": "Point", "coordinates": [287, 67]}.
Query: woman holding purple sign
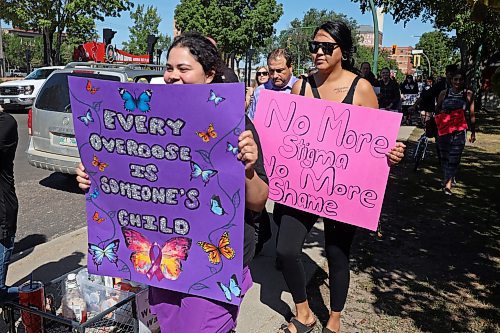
{"type": "Point", "coordinates": [193, 59]}
{"type": "Point", "coordinates": [331, 49]}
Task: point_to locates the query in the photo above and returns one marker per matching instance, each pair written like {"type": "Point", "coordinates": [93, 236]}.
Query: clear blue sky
{"type": "Point", "coordinates": [393, 33]}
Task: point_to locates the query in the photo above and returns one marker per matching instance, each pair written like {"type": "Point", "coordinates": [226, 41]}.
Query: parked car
{"type": "Point", "coordinates": [22, 93]}
{"type": "Point", "coordinates": [15, 73]}
{"type": "Point", "coordinates": [50, 122]}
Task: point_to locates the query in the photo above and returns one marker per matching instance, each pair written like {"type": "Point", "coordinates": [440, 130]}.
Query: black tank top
{"type": "Point", "coordinates": [310, 79]}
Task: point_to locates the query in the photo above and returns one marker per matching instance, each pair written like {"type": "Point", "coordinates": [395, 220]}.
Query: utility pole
{"type": "Point", "coordinates": [375, 31]}
{"type": "Point", "coordinates": [2, 57]}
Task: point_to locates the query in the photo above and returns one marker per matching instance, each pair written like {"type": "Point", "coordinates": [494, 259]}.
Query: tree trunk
{"type": "Point", "coordinates": [57, 53]}
{"type": "Point", "coordinates": [48, 37]}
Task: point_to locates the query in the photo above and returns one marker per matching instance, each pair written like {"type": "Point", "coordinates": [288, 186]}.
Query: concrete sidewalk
{"type": "Point", "coordinates": [264, 307]}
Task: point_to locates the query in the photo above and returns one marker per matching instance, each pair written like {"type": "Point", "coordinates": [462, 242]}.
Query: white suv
{"type": "Point", "coordinates": [21, 93]}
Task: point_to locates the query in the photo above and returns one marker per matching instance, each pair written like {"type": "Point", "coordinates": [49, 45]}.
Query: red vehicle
{"type": "Point", "coordinates": [99, 52]}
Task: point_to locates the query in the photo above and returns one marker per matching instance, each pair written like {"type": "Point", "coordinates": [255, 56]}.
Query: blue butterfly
{"type": "Point", "coordinates": [232, 148]}
{"type": "Point", "coordinates": [131, 102]}
{"type": "Point", "coordinates": [109, 252]}
{"type": "Point", "coordinates": [216, 99]}
{"type": "Point", "coordinates": [197, 171]}
{"type": "Point", "coordinates": [87, 118]}
{"type": "Point", "coordinates": [94, 194]}
{"type": "Point", "coordinates": [216, 206]}
{"type": "Point", "coordinates": [232, 289]}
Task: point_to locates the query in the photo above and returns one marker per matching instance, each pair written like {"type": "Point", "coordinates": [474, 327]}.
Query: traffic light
{"type": "Point", "coordinates": [394, 48]}
{"type": "Point", "coordinates": [107, 35]}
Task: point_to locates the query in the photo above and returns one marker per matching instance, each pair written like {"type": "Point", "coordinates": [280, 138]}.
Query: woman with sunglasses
{"type": "Point", "coordinates": [331, 49]}
{"type": "Point", "coordinates": [193, 59]}
{"type": "Point", "coordinates": [261, 77]}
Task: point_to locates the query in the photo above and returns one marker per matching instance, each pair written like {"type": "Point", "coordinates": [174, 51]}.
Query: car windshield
{"type": "Point", "coordinates": [40, 74]}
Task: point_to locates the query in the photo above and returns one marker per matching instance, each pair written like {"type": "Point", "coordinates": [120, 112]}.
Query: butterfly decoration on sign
{"type": "Point", "coordinates": [90, 88]}
{"type": "Point", "coordinates": [216, 206]}
{"type": "Point", "coordinates": [197, 171]}
{"type": "Point", "coordinates": [97, 218]}
{"type": "Point", "coordinates": [214, 98]}
{"type": "Point", "coordinates": [215, 253]}
{"type": "Point", "coordinates": [131, 102]}
{"type": "Point", "coordinates": [232, 289]}
{"type": "Point", "coordinates": [94, 194]}
{"type": "Point", "coordinates": [232, 149]}
{"type": "Point", "coordinates": [100, 165]}
{"type": "Point", "coordinates": [209, 134]}
{"type": "Point", "coordinates": [86, 118]}
{"type": "Point", "coordinates": [152, 260]}
{"type": "Point", "coordinates": [109, 252]}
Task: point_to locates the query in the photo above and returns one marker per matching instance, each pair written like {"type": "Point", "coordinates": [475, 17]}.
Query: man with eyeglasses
{"type": "Point", "coordinates": [281, 78]}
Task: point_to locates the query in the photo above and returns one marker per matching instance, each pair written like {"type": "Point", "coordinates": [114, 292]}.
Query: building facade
{"type": "Point", "coordinates": [403, 58]}
{"type": "Point", "coordinates": [368, 37]}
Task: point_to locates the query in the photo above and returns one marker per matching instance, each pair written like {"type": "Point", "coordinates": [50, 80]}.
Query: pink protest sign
{"type": "Point", "coordinates": [326, 158]}
{"type": "Point", "coordinates": [450, 122]}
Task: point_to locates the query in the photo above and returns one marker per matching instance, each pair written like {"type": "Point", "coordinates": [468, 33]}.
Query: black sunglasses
{"type": "Point", "coordinates": [262, 74]}
{"type": "Point", "coordinates": [327, 47]}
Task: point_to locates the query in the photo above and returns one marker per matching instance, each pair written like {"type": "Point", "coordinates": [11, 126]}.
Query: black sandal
{"type": "Point", "coordinates": [301, 328]}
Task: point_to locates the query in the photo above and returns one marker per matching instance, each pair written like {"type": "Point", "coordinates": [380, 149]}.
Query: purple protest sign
{"type": "Point", "coordinates": [166, 204]}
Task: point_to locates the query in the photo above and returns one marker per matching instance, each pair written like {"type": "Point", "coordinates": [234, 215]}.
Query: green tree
{"type": "Point", "coordinates": [54, 18]}
{"type": "Point", "coordinates": [438, 47]}
{"type": "Point", "coordinates": [145, 23]}
{"type": "Point", "coordinates": [236, 25]}
{"type": "Point", "coordinates": [15, 51]}
{"type": "Point", "coordinates": [295, 37]}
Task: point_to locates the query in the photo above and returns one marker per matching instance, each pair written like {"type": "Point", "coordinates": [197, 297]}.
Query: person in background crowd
{"type": "Point", "coordinates": [8, 200]}
{"type": "Point", "coordinates": [279, 63]}
{"type": "Point", "coordinates": [261, 77]}
{"type": "Point", "coordinates": [389, 96]}
{"type": "Point", "coordinates": [281, 79]}
{"type": "Point", "coordinates": [331, 50]}
{"type": "Point", "coordinates": [407, 87]}
{"type": "Point", "coordinates": [193, 59]}
{"type": "Point", "coordinates": [367, 74]}
{"type": "Point", "coordinates": [454, 103]}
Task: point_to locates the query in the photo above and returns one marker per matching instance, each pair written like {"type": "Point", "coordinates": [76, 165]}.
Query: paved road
{"type": "Point", "coordinates": [50, 203]}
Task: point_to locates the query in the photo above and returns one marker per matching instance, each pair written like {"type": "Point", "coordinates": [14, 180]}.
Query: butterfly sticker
{"type": "Point", "coordinates": [98, 254]}
{"type": "Point", "coordinates": [209, 134]}
{"type": "Point", "coordinates": [91, 89]}
{"type": "Point", "coordinates": [197, 171]}
{"type": "Point", "coordinates": [216, 206]}
{"type": "Point", "coordinates": [232, 148]}
{"type": "Point", "coordinates": [232, 289]}
{"type": "Point", "coordinates": [99, 164]}
{"type": "Point", "coordinates": [214, 98]}
{"type": "Point", "coordinates": [87, 118]}
{"type": "Point", "coordinates": [132, 103]}
{"type": "Point", "coordinates": [215, 252]}
{"type": "Point", "coordinates": [151, 260]}
{"type": "Point", "coordinates": [98, 219]}
{"type": "Point", "coordinates": [94, 194]}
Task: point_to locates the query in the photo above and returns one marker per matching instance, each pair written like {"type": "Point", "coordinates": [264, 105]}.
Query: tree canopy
{"type": "Point", "coordinates": [236, 25]}
{"type": "Point", "coordinates": [54, 18]}
{"type": "Point", "coordinates": [438, 47]}
{"type": "Point", "coordinates": [146, 22]}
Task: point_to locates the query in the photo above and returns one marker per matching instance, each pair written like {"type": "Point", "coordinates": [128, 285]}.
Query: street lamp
{"type": "Point", "coordinates": [375, 31]}
{"type": "Point", "coordinates": [416, 52]}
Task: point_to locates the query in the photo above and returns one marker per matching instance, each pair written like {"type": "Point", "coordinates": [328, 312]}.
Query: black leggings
{"type": "Point", "coordinates": [295, 225]}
